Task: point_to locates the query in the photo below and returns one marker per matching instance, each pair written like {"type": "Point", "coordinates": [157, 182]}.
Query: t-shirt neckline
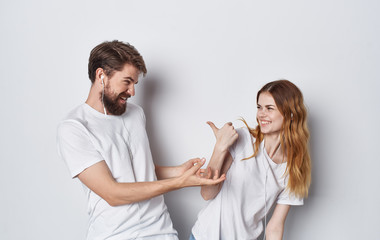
{"type": "Point", "coordinates": [262, 145]}
{"type": "Point", "coordinates": [99, 114]}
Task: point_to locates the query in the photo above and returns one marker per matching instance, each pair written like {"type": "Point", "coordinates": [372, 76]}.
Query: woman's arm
{"type": "Point", "coordinates": [221, 159]}
{"type": "Point", "coordinates": [275, 227]}
{"type": "Point", "coordinates": [210, 192]}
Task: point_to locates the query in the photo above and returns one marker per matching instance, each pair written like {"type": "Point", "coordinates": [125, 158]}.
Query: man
{"type": "Point", "coordinates": [104, 143]}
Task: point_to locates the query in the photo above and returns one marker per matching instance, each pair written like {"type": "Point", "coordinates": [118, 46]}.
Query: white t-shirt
{"type": "Point", "coordinates": [86, 137]}
{"type": "Point", "coordinates": [239, 208]}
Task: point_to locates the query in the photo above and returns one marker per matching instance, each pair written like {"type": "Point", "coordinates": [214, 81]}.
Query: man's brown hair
{"type": "Point", "coordinates": [112, 56]}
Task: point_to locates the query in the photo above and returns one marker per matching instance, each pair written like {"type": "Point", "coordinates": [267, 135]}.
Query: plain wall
{"type": "Point", "coordinates": [206, 60]}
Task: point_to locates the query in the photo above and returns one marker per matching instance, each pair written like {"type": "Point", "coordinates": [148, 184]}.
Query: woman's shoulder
{"type": "Point", "coordinates": [244, 143]}
{"type": "Point", "coordinates": [244, 135]}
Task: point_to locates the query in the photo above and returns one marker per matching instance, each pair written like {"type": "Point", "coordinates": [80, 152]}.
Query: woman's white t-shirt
{"type": "Point", "coordinates": [251, 188]}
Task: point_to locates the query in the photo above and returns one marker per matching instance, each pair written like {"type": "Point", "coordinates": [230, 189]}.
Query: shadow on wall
{"type": "Point", "coordinates": [313, 150]}
{"type": "Point", "coordinates": [150, 100]}
{"type": "Point", "coordinates": [150, 93]}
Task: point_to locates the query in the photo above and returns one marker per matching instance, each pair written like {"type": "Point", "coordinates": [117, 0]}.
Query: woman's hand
{"type": "Point", "coordinates": [225, 136]}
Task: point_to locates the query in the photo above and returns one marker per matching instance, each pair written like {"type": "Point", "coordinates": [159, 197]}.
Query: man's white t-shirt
{"type": "Point", "coordinates": [86, 137]}
{"type": "Point", "coordinates": [251, 188]}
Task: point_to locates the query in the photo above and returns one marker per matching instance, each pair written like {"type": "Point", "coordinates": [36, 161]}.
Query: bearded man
{"type": "Point", "coordinates": [104, 144]}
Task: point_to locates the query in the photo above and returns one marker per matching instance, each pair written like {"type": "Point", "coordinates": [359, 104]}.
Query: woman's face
{"type": "Point", "coordinates": [268, 115]}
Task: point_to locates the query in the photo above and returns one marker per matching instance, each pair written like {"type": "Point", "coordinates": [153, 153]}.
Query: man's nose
{"type": "Point", "coordinates": [131, 89]}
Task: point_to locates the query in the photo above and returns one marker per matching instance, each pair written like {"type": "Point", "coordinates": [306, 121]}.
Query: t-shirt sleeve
{"type": "Point", "coordinates": [143, 116]}
{"type": "Point", "coordinates": [288, 198]}
{"type": "Point", "coordinates": [140, 111]}
{"type": "Point", "coordinates": [237, 150]}
{"type": "Point", "coordinates": [75, 147]}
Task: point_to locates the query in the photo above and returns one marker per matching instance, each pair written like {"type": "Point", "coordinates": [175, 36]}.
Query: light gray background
{"type": "Point", "coordinates": [206, 61]}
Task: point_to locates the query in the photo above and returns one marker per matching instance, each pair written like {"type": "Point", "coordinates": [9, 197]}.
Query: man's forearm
{"type": "Point", "coordinates": [166, 172]}
{"type": "Point", "coordinates": [99, 179]}
{"type": "Point", "coordinates": [128, 193]}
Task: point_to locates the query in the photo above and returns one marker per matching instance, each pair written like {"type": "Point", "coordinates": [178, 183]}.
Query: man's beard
{"type": "Point", "coordinates": [111, 102]}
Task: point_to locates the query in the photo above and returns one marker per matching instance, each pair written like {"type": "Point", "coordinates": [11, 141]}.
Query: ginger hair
{"type": "Point", "coordinates": [295, 134]}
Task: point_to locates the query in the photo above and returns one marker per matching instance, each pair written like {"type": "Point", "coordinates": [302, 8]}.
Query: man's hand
{"type": "Point", "coordinates": [186, 166]}
{"type": "Point", "coordinates": [177, 171]}
{"type": "Point", "coordinates": [194, 175]}
{"type": "Point", "coordinates": [225, 136]}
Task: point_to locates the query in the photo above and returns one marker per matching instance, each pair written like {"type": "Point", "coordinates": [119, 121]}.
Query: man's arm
{"type": "Point", "coordinates": [175, 171]}
{"type": "Point", "coordinates": [275, 227]}
{"type": "Point", "coordinates": [99, 179]}
{"type": "Point", "coordinates": [166, 172]}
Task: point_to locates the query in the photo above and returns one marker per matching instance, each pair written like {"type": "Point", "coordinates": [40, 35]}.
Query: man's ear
{"type": "Point", "coordinates": [99, 75]}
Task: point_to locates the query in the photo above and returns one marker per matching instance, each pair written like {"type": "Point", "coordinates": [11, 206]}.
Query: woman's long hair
{"type": "Point", "coordinates": [294, 134]}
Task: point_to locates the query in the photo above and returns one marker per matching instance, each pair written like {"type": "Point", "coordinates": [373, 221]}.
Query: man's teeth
{"type": "Point", "coordinates": [124, 98]}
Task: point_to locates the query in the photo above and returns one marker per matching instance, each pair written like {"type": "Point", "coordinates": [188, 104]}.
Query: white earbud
{"type": "Point", "coordinates": [102, 77]}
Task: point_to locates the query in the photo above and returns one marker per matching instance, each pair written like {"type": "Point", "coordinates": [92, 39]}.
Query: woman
{"type": "Point", "coordinates": [265, 166]}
